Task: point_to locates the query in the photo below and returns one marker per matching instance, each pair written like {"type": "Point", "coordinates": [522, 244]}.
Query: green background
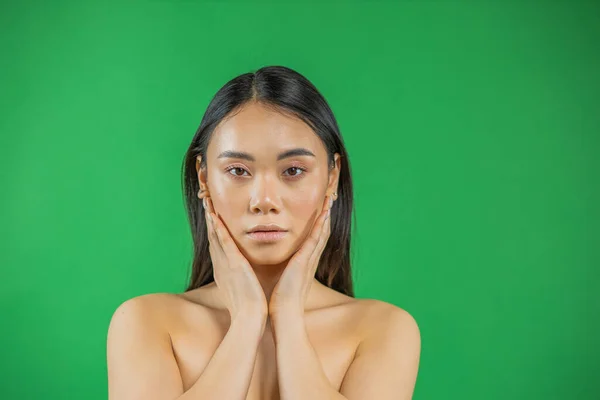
{"type": "Point", "coordinates": [472, 131]}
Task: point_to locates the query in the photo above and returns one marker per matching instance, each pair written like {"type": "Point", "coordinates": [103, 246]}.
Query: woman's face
{"type": "Point", "coordinates": [252, 181]}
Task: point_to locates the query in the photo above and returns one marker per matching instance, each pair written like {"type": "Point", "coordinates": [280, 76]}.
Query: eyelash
{"type": "Point", "coordinates": [293, 177]}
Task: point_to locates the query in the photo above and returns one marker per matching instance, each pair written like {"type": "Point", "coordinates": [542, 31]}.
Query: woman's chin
{"type": "Point", "coordinates": [272, 254]}
{"type": "Point", "coordinates": [266, 257]}
{"type": "Point", "coordinates": [267, 251]}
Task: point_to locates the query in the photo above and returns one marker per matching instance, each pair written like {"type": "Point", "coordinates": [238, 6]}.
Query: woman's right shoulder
{"type": "Point", "coordinates": [139, 338]}
{"type": "Point", "coordinates": [145, 310]}
{"type": "Point", "coordinates": [145, 331]}
{"type": "Point", "coordinates": [155, 305]}
{"type": "Point", "coordinates": [144, 303]}
{"type": "Point", "coordinates": [161, 310]}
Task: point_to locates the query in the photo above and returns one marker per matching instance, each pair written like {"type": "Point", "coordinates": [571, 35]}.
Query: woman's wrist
{"type": "Point", "coordinates": [250, 317]}
{"type": "Point", "coordinates": [284, 316]}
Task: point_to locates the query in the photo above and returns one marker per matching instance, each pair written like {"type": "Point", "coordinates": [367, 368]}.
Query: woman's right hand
{"type": "Point", "coordinates": [234, 276]}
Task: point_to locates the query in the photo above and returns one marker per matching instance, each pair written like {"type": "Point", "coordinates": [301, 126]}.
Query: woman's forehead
{"type": "Point", "coordinates": [264, 132]}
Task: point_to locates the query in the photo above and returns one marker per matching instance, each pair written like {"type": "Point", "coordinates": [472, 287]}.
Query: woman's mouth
{"type": "Point", "coordinates": [267, 236]}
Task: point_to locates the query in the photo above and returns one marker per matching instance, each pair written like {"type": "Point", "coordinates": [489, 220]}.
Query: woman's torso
{"type": "Point", "coordinates": [197, 326]}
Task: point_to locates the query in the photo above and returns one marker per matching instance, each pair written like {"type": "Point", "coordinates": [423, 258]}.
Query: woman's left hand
{"type": "Point", "coordinates": [291, 291]}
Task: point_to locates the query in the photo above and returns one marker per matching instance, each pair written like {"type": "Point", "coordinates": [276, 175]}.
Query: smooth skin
{"type": "Point", "coordinates": [266, 328]}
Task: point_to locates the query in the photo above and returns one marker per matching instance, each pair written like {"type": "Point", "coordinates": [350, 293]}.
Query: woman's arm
{"type": "Point", "coordinates": [299, 369]}
{"type": "Point", "coordinates": [385, 365]}
{"type": "Point", "coordinates": [141, 364]}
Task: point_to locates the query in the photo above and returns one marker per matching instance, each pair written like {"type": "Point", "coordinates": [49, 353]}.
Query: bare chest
{"type": "Point", "coordinates": [333, 340]}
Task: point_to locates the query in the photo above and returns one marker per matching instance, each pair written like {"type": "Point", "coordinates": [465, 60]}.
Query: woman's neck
{"type": "Point", "coordinates": [268, 276]}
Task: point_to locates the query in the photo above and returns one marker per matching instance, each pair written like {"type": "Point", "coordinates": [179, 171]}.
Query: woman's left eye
{"type": "Point", "coordinates": [299, 171]}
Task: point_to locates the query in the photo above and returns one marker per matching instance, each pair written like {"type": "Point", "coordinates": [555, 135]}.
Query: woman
{"type": "Point", "coordinates": [270, 311]}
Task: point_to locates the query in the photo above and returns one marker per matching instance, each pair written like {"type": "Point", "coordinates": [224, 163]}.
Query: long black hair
{"type": "Point", "coordinates": [288, 91]}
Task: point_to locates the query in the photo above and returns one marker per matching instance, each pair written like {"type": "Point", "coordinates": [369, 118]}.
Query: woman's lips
{"type": "Point", "coordinates": [267, 236]}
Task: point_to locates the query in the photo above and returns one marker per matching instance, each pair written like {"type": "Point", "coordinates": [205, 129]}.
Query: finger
{"type": "Point", "coordinates": [212, 226]}
{"type": "Point", "coordinates": [306, 251]}
{"type": "Point", "coordinates": [222, 233]}
{"type": "Point", "coordinates": [325, 225]}
{"type": "Point", "coordinates": [318, 227]}
{"type": "Point", "coordinates": [210, 206]}
{"type": "Point", "coordinates": [215, 223]}
{"type": "Point", "coordinates": [226, 240]}
{"type": "Point", "coordinates": [318, 251]}
{"type": "Point", "coordinates": [202, 194]}
{"type": "Point", "coordinates": [213, 237]}
{"type": "Point", "coordinates": [321, 220]}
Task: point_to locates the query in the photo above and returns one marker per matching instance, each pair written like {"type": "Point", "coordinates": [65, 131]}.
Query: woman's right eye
{"type": "Point", "coordinates": [236, 169]}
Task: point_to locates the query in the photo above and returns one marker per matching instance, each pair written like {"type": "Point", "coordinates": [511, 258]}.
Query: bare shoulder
{"type": "Point", "coordinates": [138, 339]}
{"type": "Point", "coordinates": [164, 312]}
{"type": "Point", "coordinates": [382, 316]}
{"type": "Point", "coordinates": [146, 300]}
{"type": "Point", "coordinates": [145, 318]}
{"type": "Point", "coordinates": [387, 355]}
{"type": "Point", "coordinates": [148, 309]}
{"type": "Point", "coordinates": [372, 316]}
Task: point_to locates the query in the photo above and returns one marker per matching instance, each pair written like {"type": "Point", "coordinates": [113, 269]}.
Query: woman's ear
{"type": "Point", "coordinates": [334, 176]}
{"type": "Point", "coordinates": [201, 173]}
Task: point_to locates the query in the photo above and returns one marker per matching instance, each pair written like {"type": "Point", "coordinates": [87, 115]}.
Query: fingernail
{"type": "Point", "coordinates": [204, 202]}
{"type": "Point", "coordinates": [330, 202]}
{"type": "Point", "coordinates": [328, 213]}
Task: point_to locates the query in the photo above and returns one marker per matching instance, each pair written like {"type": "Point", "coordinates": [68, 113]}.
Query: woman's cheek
{"type": "Point", "coordinates": [220, 195]}
{"type": "Point", "coordinates": [228, 209]}
{"type": "Point", "coordinates": [306, 206]}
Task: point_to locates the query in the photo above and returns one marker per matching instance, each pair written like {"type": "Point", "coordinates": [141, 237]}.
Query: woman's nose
{"type": "Point", "coordinates": [264, 198]}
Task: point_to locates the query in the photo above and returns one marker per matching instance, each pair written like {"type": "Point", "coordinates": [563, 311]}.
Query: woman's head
{"type": "Point", "coordinates": [268, 151]}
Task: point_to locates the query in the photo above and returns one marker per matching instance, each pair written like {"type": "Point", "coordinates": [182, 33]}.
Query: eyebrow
{"type": "Point", "coordinates": [300, 151]}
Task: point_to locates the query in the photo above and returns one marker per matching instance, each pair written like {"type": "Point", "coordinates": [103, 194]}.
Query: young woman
{"type": "Point", "coordinates": [270, 311]}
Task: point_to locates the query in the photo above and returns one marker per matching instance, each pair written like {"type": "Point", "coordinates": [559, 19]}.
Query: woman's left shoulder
{"type": "Point", "coordinates": [380, 315]}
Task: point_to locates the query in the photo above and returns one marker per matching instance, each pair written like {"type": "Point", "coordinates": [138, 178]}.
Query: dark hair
{"type": "Point", "coordinates": [286, 91]}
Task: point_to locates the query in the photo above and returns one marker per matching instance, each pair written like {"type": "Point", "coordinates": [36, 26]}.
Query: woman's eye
{"type": "Point", "coordinates": [293, 172]}
{"type": "Point", "coordinates": [297, 171]}
{"type": "Point", "coordinates": [241, 170]}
